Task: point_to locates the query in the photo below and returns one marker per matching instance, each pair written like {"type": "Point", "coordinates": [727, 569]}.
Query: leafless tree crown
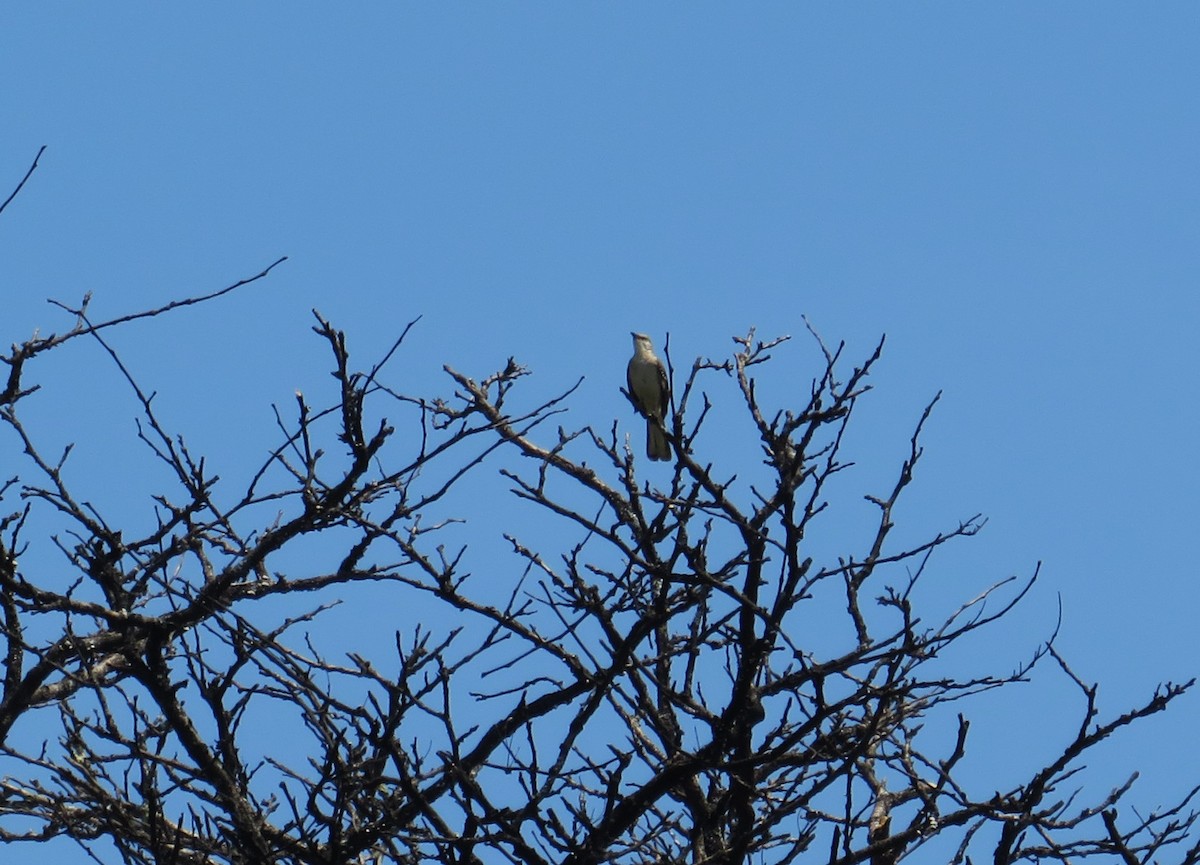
{"type": "Point", "coordinates": [692, 677]}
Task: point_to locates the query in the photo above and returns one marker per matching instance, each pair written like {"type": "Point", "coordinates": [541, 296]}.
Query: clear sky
{"type": "Point", "coordinates": [1009, 191]}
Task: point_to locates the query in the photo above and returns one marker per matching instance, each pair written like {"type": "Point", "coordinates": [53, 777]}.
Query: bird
{"type": "Point", "coordinates": [650, 393]}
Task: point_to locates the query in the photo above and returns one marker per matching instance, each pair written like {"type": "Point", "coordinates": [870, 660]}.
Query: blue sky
{"type": "Point", "coordinates": [1009, 191]}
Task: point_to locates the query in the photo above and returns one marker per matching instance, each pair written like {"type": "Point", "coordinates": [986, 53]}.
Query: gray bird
{"type": "Point", "coordinates": [650, 392]}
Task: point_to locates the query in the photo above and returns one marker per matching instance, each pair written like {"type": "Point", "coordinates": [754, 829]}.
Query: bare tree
{"type": "Point", "coordinates": [690, 679]}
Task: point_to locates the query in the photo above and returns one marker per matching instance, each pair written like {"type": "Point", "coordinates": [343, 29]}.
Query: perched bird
{"type": "Point", "coordinates": [650, 392]}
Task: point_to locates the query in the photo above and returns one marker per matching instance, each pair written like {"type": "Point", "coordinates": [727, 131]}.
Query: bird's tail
{"type": "Point", "coordinates": [657, 446]}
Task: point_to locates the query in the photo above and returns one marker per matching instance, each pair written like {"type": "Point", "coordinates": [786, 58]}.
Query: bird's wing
{"type": "Point", "coordinates": [664, 390]}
